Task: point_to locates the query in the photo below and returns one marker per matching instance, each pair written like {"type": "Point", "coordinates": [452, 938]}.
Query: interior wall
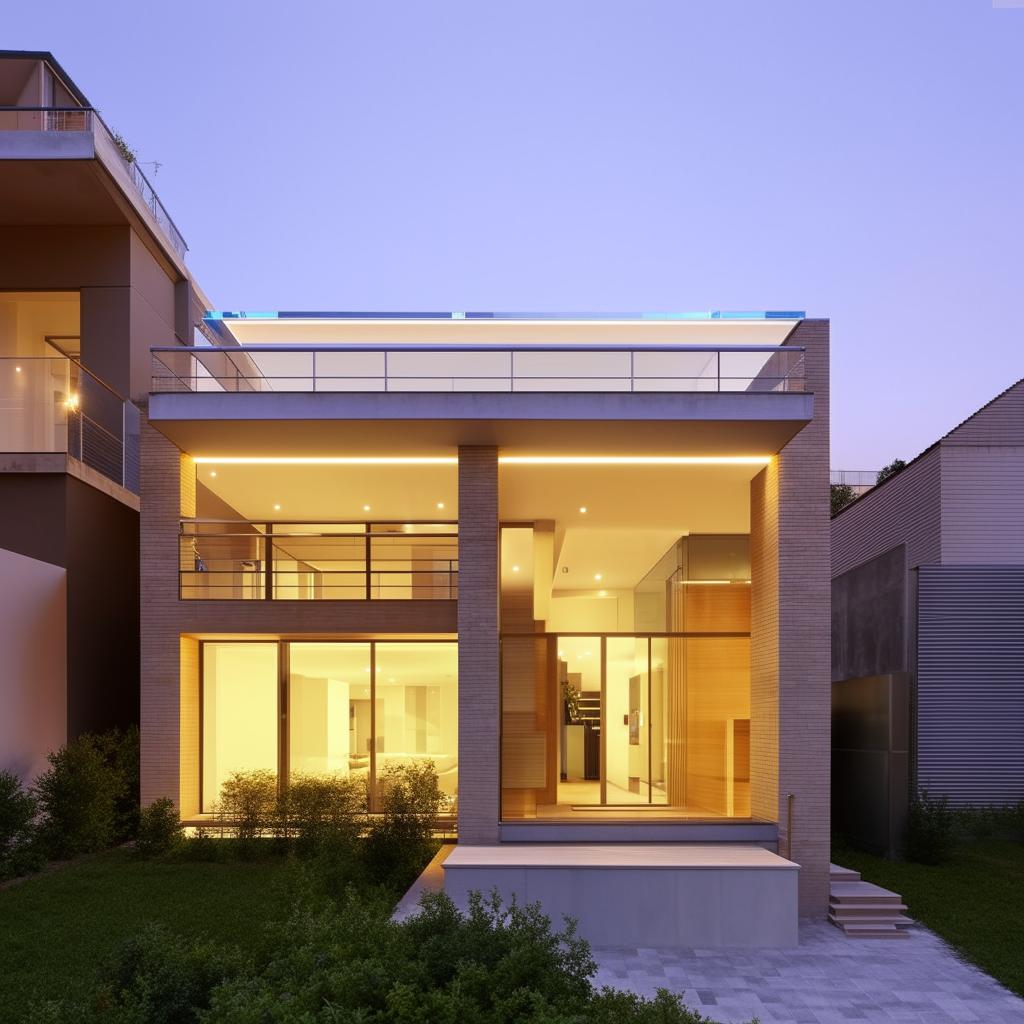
{"type": "Point", "coordinates": [33, 670]}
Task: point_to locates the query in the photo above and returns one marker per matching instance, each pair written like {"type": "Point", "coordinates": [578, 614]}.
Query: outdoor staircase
{"type": "Point", "coordinates": [863, 910]}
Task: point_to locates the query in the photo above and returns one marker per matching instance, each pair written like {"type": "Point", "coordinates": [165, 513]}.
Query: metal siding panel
{"type": "Point", "coordinates": [905, 510]}
{"type": "Point", "coordinates": [970, 699]}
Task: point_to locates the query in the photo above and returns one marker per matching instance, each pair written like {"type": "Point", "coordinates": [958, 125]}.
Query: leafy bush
{"type": "Point", "coordinates": [349, 963]}
{"type": "Point", "coordinates": [991, 821]}
{"type": "Point", "coordinates": [248, 804]}
{"type": "Point", "coordinates": [317, 811]}
{"type": "Point", "coordinates": [159, 829]}
{"type": "Point", "coordinates": [931, 830]}
{"type": "Point", "coordinates": [840, 495]}
{"type": "Point", "coordinates": [88, 797]}
{"type": "Point", "coordinates": [19, 848]}
{"type": "Point", "coordinates": [399, 840]}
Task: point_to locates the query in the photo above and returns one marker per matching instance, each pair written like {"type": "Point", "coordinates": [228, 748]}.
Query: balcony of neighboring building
{"type": "Point", "coordinates": [55, 415]}
{"type": "Point", "coordinates": [61, 164]}
{"type": "Point", "coordinates": [530, 383]}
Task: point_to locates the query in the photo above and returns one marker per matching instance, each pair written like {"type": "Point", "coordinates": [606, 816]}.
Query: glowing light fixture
{"type": "Point", "coordinates": [634, 460]}
{"type": "Point", "coordinates": [330, 460]}
{"type": "Point", "coordinates": [17, 369]}
{"type": "Point", "coordinates": [602, 593]}
{"type": "Point", "coordinates": [366, 508]}
{"type": "Point", "coordinates": [71, 402]}
{"type": "Point", "coordinates": [597, 576]}
{"type": "Point", "coordinates": [583, 510]}
{"type": "Point", "coordinates": [213, 472]}
{"type": "Point", "coordinates": [440, 504]}
{"type": "Point", "coordinates": [515, 568]}
{"type": "Point", "coordinates": [277, 508]}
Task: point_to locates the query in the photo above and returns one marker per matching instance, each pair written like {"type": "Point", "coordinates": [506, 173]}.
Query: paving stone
{"type": "Point", "coordinates": [827, 979]}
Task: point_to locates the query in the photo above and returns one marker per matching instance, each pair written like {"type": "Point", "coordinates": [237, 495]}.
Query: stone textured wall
{"type": "Point", "coordinates": [479, 733]}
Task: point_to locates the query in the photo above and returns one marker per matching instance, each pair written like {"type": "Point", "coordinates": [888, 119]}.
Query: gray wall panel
{"type": "Point", "coordinates": [970, 689]}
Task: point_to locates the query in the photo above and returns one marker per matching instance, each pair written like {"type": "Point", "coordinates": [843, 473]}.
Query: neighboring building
{"type": "Point", "coordinates": [374, 539]}
{"type": "Point", "coordinates": [928, 630]}
{"type": "Point", "coordinates": [91, 275]}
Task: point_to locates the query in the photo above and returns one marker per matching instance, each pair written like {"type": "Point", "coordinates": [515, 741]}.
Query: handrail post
{"type": "Point", "coordinates": [368, 556]}
{"type": "Point", "coordinates": [718, 357]}
{"type": "Point", "coordinates": [268, 562]}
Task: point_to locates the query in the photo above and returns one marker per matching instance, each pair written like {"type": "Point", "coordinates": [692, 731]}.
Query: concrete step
{"type": "Point", "coordinates": [874, 931]}
{"type": "Point", "coordinates": [896, 920]}
{"type": "Point", "coordinates": [861, 892]}
{"type": "Point", "coordinates": [865, 909]}
{"type": "Point", "coordinates": [841, 874]}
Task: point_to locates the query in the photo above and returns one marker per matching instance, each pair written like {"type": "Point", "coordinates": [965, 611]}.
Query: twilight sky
{"type": "Point", "coordinates": [861, 160]}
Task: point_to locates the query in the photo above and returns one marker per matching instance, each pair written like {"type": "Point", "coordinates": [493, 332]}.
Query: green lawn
{"type": "Point", "coordinates": [975, 902]}
{"type": "Point", "coordinates": [58, 929]}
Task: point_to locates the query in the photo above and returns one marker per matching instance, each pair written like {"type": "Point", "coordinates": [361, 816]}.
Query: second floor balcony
{"type": "Point", "coordinates": [340, 561]}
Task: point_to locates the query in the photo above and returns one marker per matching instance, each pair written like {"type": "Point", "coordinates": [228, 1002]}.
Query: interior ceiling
{"type": "Point", "coordinates": [633, 512]}
{"type": "Point", "coordinates": [503, 332]}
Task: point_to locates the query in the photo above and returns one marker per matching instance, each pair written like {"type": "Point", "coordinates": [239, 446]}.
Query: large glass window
{"type": "Point", "coordinates": [350, 709]}
{"type": "Point", "coordinates": [240, 687]}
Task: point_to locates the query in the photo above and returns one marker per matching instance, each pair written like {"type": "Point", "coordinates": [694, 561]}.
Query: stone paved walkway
{"type": "Point", "coordinates": [827, 979]}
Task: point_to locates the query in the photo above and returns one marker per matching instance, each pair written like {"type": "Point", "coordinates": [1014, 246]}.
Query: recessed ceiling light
{"type": "Point", "coordinates": [277, 508]}
{"type": "Point", "coordinates": [213, 472]}
{"type": "Point", "coordinates": [515, 568]}
{"type": "Point", "coordinates": [17, 369]}
{"type": "Point", "coordinates": [440, 504]}
{"type": "Point", "coordinates": [583, 510]}
{"type": "Point", "coordinates": [366, 508]}
{"type": "Point", "coordinates": [597, 576]}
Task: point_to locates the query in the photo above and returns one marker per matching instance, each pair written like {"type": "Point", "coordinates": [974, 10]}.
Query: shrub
{"type": "Point", "coordinates": [348, 962]}
{"type": "Point", "coordinates": [120, 751]}
{"type": "Point", "coordinates": [931, 830]}
{"type": "Point", "coordinates": [318, 811]}
{"type": "Point", "coordinates": [86, 794]}
{"type": "Point", "coordinates": [400, 839]}
{"type": "Point", "coordinates": [1002, 822]}
{"type": "Point", "coordinates": [159, 829]}
{"type": "Point", "coordinates": [248, 804]}
{"type": "Point", "coordinates": [19, 848]}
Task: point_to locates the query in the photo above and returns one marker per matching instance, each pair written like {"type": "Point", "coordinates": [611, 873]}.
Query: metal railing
{"type": "Point", "coordinates": [455, 368]}
{"type": "Point", "coordinates": [244, 560]}
{"type": "Point", "coordinates": [53, 404]}
{"type": "Point", "coordinates": [865, 478]}
{"type": "Point", "coordinates": [88, 119]}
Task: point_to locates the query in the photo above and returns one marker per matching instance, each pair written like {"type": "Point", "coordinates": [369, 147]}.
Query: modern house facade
{"type": "Point", "coordinates": [928, 630]}
{"type": "Point", "coordinates": [91, 275]}
{"type": "Point", "coordinates": [579, 563]}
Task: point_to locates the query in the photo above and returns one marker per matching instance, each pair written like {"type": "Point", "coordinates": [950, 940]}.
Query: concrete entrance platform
{"type": "Point", "coordinates": [654, 895]}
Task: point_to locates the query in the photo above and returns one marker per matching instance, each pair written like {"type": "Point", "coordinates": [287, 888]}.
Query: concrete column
{"type": "Point", "coordinates": [479, 723]}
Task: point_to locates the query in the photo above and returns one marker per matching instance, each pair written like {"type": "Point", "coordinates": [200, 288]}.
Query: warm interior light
{"type": "Point", "coordinates": [602, 593]}
{"type": "Point", "coordinates": [440, 504]}
{"type": "Point", "coordinates": [17, 369]}
{"type": "Point", "coordinates": [71, 402]}
{"type": "Point", "coordinates": [634, 460]}
{"type": "Point", "coordinates": [366, 508]}
{"type": "Point", "coordinates": [583, 510]}
{"type": "Point", "coordinates": [213, 472]}
{"type": "Point", "coordinates": [597, 575]}
{"type": "Point", "coordinates": [277, 508]}
{"type": "Point", "coordinates": [329, 460]}
{"type": "Point", "coordinates": [515, 568]}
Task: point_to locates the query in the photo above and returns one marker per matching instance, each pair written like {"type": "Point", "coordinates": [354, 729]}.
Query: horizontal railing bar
{"type": "Point", "coordinates": [332, 522]}
{"type": "Point", "coordinates": [496, 348]}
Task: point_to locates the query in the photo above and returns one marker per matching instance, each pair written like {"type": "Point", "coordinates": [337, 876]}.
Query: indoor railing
{"type": "Point", "coordinates": [469, 368]}
{"type": "Point", "coordinates": [86, 119]}
{"type": "Point", "coordinates": [53, 404]}
{"type": "Point", "coordinates": [241, 560]}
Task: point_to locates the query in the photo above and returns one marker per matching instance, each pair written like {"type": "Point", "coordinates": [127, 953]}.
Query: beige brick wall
{"type": "Point", "coordinates": [478, 645]}
{"type": "Point", "coordinates": [791, 635]}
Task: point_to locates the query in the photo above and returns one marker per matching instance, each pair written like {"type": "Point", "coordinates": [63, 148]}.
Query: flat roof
{"type": "Point", "coordinates": [715, 314]}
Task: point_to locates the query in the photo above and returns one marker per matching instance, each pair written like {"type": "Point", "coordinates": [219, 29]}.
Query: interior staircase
{"type": "Point", "coordinates": [863, 910]}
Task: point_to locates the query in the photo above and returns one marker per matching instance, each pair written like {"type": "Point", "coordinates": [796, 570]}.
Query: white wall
{"type": "Point", "coordinates": [33, 663]}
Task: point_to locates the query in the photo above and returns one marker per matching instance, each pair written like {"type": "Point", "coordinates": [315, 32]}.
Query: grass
{"type": "Point", "coordinates": [58, 929]}
{"type": "Point", "coordinates": [975, 902]}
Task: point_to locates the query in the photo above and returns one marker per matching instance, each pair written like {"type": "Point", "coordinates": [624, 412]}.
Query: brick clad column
{"type": "Point", "coordinates": [791, 635]}
{"type": "Point", "coordinates": [169, 726]}
{"type": "Point", "coordinates": [479, 730]}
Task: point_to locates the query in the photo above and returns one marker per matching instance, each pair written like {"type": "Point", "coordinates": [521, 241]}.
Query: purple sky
{"type": "Point", "coordinates": [861, 160]}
